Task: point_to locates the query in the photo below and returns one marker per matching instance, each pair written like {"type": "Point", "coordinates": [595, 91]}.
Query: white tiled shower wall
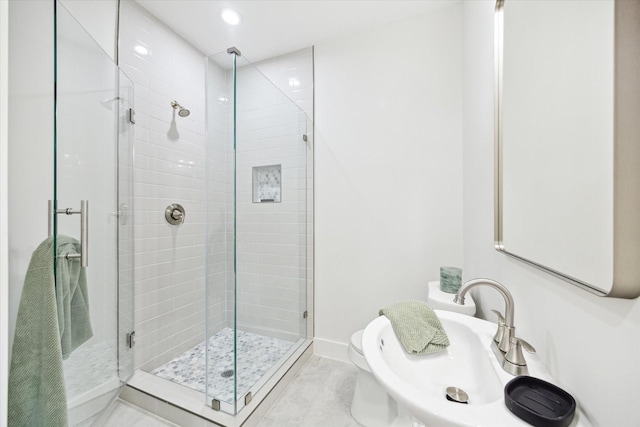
{"type": "Point", "coordinates": [169, 168]}
{"type": "Point", "coordinates": [272, 237]}
{"type": "Point", "coordinates": [293, 74]}
{"type": "Point", "coordinates": [173, 164]}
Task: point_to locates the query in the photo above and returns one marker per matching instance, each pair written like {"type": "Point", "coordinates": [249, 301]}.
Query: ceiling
{"type": "Point", "coordinates": [271, 28]}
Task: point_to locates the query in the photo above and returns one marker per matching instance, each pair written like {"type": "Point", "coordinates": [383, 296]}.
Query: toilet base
{"type": "Point", "coordinates": [371, 405]}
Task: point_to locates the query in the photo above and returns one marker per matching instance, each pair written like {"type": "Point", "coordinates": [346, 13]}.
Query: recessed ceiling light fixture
{"type": "Point", "coordinates": [294, 82]}
{"type": "Point", "coordinates": [141, 50]}
{"type": "Point", "coordinates": [230, 16]}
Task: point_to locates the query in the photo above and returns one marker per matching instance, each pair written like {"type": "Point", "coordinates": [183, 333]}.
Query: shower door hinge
{"type": "Point", "coordinates": [131, 339]}
{"type": "Point", "coordinates": [131, 116]}
{"type": "Point", "coordinates": [304, 138]}
{"type": "Point", "coordinates": [215, 404]}
{"type": "Point", "coordinates": [305, 314]}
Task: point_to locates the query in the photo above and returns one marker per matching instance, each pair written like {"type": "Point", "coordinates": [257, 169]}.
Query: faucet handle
{"type": "Point", "coordinates": [525, 344]}
{"type": "Point", "coordinates": [500, 331]}
{"type": "Point", "coordinates": [514, 355]}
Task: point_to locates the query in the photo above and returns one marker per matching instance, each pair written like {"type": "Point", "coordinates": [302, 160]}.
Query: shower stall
{"type": "Point", "coordinates": [215, 305]}
{"type": "Point", "coordinates": [257, 241]}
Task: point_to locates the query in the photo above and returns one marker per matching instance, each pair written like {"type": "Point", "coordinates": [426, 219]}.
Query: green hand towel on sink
{"type": "Point", "coordinates": [417, 327]}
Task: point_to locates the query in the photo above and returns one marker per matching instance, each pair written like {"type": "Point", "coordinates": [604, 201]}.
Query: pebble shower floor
{"type": "Point", "coordinates": [256, 355]}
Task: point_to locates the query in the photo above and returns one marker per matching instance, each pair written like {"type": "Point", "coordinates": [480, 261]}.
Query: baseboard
{"type": "Point", "coordinates": [331, 349]}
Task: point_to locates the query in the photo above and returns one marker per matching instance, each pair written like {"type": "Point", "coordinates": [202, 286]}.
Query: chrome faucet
{"type": "Point", "coordinates": [506, 346]}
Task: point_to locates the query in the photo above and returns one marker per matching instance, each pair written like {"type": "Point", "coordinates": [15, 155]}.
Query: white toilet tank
{"type": "Point", "coordinates": [439, 300]}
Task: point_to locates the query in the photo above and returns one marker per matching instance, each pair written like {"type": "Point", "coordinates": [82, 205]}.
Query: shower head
{"type": "Point", "coordinates": [182, 112]}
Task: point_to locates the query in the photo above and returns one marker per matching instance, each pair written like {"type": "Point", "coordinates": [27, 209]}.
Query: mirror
{"type": "Point", "coordinates": [567, 132]}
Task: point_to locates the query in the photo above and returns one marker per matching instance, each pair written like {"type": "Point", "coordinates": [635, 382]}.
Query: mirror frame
{"type": "Point", "coordinates": [626, 203]}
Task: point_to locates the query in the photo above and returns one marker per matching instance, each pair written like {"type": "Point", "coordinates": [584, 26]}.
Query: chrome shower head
{"type": "Point", "coordinates": [182, 112]}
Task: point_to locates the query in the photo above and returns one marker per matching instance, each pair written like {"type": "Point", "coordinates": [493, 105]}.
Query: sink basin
{"type": "Point", "coordinates": [419, 383]}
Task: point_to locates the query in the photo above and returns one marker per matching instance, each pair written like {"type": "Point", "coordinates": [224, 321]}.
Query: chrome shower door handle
{"type": "Point", "coordinates": [84, 233]}
{"type": "Point", "coordinates": [84, 230]}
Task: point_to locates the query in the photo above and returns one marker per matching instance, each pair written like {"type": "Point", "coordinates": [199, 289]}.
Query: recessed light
{"type": "Point", "coordinates": [230, 16]}
{"type": "Point", "coordinates": [294, 82]}
{"type": "Point", "coordinates": [141, 50]}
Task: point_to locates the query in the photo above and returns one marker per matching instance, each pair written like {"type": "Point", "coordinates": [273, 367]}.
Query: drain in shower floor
{"type": "Point", "coordinates": [226, 374]}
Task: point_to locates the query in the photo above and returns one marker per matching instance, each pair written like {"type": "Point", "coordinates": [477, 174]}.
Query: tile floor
{"type": "Point", "coordinates": [124, 414]}
{"type": "Point", "coordinates": [319, 396]}
{"type": "Point", "coordinates": [256, 355]}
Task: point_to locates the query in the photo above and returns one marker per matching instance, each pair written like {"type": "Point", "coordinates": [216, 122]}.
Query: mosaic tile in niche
{"type": "Point", "coordinates": [267, 183]}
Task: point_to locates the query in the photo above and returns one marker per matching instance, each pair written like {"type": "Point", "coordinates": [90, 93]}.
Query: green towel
{"type": "Point", "coordinates": [417, 327]}
{"type": "Point", "coordinates": [72, 297]}
{"type": "Point", "coordinates": [37, 394]}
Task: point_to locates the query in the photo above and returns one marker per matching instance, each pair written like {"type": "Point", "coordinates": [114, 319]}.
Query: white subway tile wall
{"type": "Point", "coordinates": [169, 168]}
{"type": "Point", "coordinates": [272, 238]}
{"type": "Point", "coordinates": [218, 270]}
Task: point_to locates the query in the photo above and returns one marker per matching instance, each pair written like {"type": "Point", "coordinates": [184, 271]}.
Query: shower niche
{"type": "Point", "coordinates": [267, 183]}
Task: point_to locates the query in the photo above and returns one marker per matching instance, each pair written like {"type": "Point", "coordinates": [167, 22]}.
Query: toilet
{"type": "Point", "coordinates": [371, 405]}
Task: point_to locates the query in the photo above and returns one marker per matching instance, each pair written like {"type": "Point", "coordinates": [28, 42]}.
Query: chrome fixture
{"type": "Point", "coordinates": [505, 324]}
{"type": "Point", "coordinates": [234, 50]}
{"type": "Point", "coordinates": [506, 346]}
{"type": "Point", "coordinates": [174, 214]}
{"type": "Point", "coordinates": [83, 256]}
{"type": "Point", "coordinates": [182, 112]}
{"type": "Point", "coordinates": [455, 394]}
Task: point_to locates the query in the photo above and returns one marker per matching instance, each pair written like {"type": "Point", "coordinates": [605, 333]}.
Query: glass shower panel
{"type": "Point", "coordinates": [124, 216]}
{"type": "Point", "coordinates": [92, 196]}
{"type": "Point", "coordinates": [271, 228]}
{"type": "Point", "coordinates": [219, 270]}
{"type": "Point", "coordinates": [257, 241]}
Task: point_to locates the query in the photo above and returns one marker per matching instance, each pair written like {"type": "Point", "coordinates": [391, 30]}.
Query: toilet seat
{"type": "Point", "coordinates": [356, 341]}
{"type": "Point", "coordinates": [355, 351]}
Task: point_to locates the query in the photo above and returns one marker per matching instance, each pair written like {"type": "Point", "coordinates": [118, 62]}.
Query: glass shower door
{"type": "Point", "coordinates": [258, 240]}
{"type": "Point", "coordinates": [91, 228]}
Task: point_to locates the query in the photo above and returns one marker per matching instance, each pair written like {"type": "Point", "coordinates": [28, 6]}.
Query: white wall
{"type": "Point", "coordinates": [590, 344]}
{"type": "Point", "coordinates": [30, 134]}
{"type": "Point", "coordinates": [388, 169]}
{"type": "Point", "coordinates": [4, 230]}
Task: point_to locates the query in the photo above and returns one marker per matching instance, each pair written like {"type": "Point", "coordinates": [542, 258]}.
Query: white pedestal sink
{"type": "Point", "coordinates": [419, 382]}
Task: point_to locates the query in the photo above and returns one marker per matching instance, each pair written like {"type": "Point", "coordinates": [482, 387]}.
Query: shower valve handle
{"type": "Point", "coordinates": [174, 214]}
